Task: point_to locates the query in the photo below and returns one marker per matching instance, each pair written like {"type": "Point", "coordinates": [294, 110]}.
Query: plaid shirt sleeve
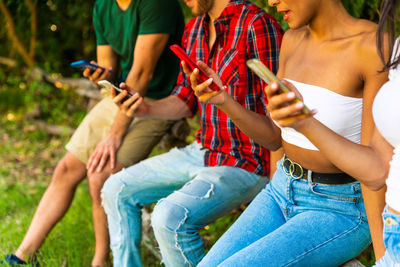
{"type": "Point", "coordinates": [264, 41]}
{"type": "Point", "coordinates": [182, 88]}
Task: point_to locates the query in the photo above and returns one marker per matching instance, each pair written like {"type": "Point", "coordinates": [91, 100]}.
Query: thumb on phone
{"type": "Point", "coordinates": [210, 73]}
{"type": "Point", "coordinates": [293, 89]}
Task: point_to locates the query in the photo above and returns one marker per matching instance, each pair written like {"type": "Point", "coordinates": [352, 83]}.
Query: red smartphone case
{"type": "Point", "coordinates": [202, 77]}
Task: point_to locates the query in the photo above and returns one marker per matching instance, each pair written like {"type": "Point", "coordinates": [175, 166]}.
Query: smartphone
{"type": "Point", "coordinates": [191, 65]}
{"type": "Point", "coordinates": [107, 85]}
{"type": "Point", "coordinates": [83, 64]}
{"type": "Point", "coordinates": [268, 76]}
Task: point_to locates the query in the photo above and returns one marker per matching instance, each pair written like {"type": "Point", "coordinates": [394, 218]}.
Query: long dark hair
{"type": "Point", "coordinates": [387, 21]}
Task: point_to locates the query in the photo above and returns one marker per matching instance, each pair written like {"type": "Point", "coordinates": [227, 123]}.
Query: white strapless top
{"type": "Point", "coordinates": [342, 114]}
{"type": "Point", "coordinates": [386, 111]}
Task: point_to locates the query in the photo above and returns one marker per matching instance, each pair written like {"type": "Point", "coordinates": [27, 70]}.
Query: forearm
{"type": "Point", "coordinates": [139, 80]}
{"type": "Point", "coordinates": [120, 125]}
{"type": "Point", "coordinates": [169, 108]}
{"type": "Point", "coordinates": [374, 205]}
{"type": "Point", "coordinates": [359, 161]}
{"type": "Point", "coordinates": [258, 127]}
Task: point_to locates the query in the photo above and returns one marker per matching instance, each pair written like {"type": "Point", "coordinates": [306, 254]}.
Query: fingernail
{"type": "Point", "coordinates": [290, 95]}
{"type": "Point", "coordinates": [314, 111]}
{"type": "Point", "coordinates": [196, 70]}
{"type": "Point", "coordinates": [299, 105]}
{"type": "Point", "coordinates": [210, 80]}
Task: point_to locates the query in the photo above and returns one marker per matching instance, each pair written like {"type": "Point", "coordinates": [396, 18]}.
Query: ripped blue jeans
{"type": "Point", "coordinates": [191, 194]}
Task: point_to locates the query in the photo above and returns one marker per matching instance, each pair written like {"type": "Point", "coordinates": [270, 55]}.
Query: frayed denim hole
{"type": "Point", "coordinates": [171, 217]}
{"type": "Point", "coordinates": [168, 215]}
{"type": "Point", "coordinates": [107, 208]}
{"type": "Point", "coordinates": [197, 188]}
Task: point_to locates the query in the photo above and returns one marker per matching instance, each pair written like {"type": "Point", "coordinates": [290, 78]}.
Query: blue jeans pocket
{"type": "Point", "coordinates": [345, 192]}
{"type": "Point", "coordinates": [391, 234]}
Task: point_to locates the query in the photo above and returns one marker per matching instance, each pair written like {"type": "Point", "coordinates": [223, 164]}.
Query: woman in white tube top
{"type": "Point", "coordinates": [369, 164]}
{"type": "Point", "coordinates": [312, 212]}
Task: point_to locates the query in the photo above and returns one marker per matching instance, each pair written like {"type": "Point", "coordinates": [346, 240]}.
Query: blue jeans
{"type": "Point", "coordinates": [191, 194]}
{"type": "Point", "coordinates": [391, 236]}
{"type": "Point", "coordinates": [295, 223]}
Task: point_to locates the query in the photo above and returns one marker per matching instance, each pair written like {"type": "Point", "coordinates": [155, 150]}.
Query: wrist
{"type": "Point", "coordinates": [226, 102]}
{"type": "Point", "coordinates": [304, 125]}
{"type": "Point", "coordinates": [116, 134]}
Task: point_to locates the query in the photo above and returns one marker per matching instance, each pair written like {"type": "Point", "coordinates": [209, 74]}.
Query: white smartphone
{"type": "Point", "coordinates": [268, 76]}
{"type": "Point", "coordinates": [107, 85]}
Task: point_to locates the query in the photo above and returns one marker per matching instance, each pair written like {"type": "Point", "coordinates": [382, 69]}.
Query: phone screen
{"type": "Point", "coordinates": [268, 76]}
{"type": "Point", "coordinates": [202, 77]}
{"type": "Point", "coordinates": [83, 64]}
{"type": "Point", "coordinates": [107, 85]}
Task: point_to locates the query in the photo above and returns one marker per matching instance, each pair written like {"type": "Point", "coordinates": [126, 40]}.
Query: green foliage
{"type": "Point", "coordinates": [57, 105]}
{"type": "Point", "coordinates": [64, 32]}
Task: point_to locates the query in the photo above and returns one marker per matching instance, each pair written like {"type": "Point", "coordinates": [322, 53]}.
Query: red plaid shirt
{"type": "Point", "coordinates": [244, 31]}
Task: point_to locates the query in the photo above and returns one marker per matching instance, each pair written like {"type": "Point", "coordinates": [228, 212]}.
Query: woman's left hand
{"type": "Point", "coordinates": [202, 91]}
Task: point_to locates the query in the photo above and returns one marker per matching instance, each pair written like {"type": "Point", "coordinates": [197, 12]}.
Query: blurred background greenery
{"type": "Point", "coordinates": [48, 35]}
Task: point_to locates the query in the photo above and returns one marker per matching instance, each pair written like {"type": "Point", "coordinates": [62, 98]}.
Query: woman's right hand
{"type": "Point", "coordinates": [131, 107]}
{"type": "Point", "coordinates": [280, 109]}
{"type": "Point", "coordinates": [97, 75]}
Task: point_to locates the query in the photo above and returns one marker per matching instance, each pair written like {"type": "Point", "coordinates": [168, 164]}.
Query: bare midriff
{"type": "Point", "coordinates": [310, 159]}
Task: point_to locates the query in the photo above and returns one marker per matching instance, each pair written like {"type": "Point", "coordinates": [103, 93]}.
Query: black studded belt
{"type": "Point", "coordinates": [296, 171]}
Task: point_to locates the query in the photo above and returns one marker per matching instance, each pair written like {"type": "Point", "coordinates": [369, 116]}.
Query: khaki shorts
{"type": "Point", "coordinates": [142, 136]}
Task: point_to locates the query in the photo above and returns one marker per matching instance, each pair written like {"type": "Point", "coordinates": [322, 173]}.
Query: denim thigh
{"type": "Point", "coordinates": [321, 225]}
{"type": "Point", "coordinates": [212, 193]}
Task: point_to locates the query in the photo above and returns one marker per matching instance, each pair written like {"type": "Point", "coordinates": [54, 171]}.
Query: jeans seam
{"type": "Point", "coordinates": [324, 243]}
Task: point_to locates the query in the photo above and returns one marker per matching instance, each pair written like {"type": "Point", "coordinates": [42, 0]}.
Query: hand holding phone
{"type": "Point", "coordinates": [267, 76]}
{"type": "Point", "coordinates": [83, 64]}
{"type": "Point", "coordinates": [107, 85]}
{"type": "Point", "coordinates": [191, 65]}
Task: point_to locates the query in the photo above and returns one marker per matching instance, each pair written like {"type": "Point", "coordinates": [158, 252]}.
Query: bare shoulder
{"type": "Point", "coordinates": [365, 36]}
{"type": "Point", "coordinates": [368, 56]}
{"type": "Point", "coordinates": [365, 46]}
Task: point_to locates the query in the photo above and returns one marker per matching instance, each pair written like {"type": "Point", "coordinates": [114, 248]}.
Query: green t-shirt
{"type": "Point", "coordinates": [120, 29]}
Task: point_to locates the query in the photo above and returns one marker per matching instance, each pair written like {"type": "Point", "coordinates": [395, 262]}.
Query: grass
{"type": "Point", "coordinates": [28, 158]}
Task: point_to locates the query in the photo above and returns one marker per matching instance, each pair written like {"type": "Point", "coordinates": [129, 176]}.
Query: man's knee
{"type": "Point", "coordinates": [69, 170]}
{"type": "Point", "coordinates": [168, 216]}
{"type": "Point", "coordinates": [96, 182]}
